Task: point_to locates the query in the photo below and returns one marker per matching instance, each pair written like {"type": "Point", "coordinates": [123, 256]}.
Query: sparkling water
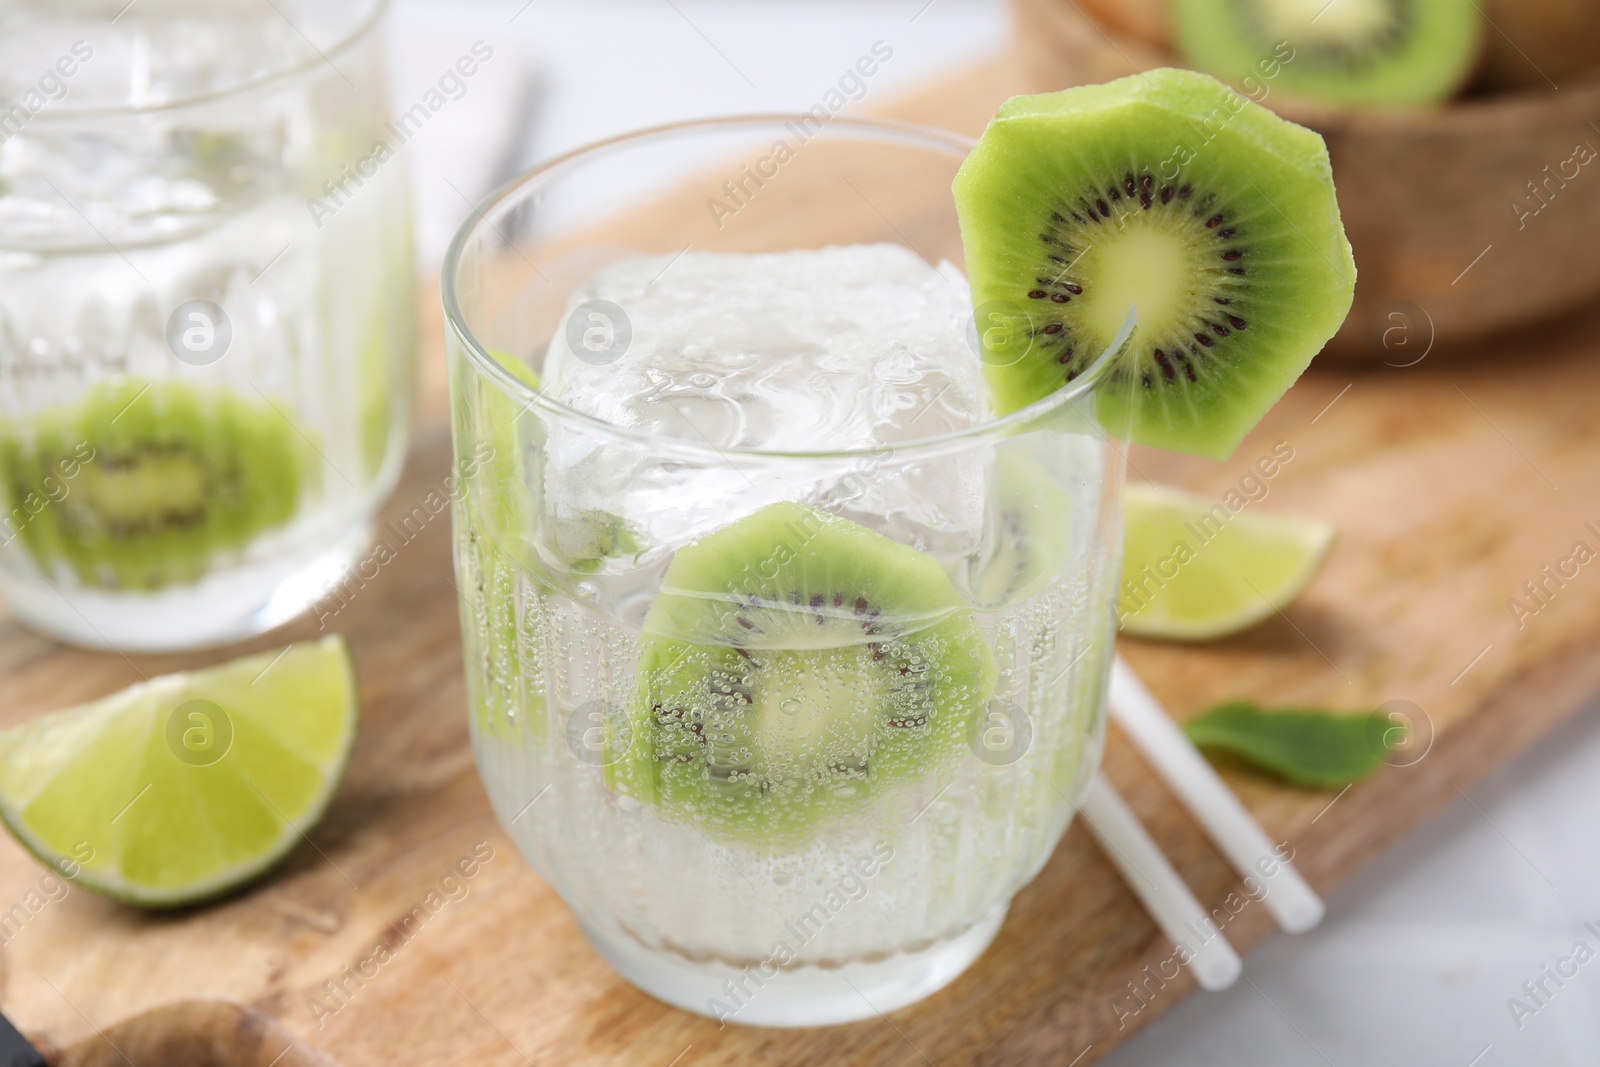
{"type": "Point", "coordinates": [859, 348]}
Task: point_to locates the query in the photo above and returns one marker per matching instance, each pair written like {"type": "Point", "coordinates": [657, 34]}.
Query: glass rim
{"type": "Point", "coordinates": [531, 398]}
{"type": "Point", "coordinates": [351, 37]}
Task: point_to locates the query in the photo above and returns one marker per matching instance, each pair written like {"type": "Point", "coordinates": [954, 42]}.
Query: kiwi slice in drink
{"type": "Point", "coordinates": [1170, 193]}
{"type": "Point", "coordinates": [512, 500]}
{"type": "Point", "coordinates": [506, 497]}
{"type": "Point", "coordinates": [1355, 52]}
{"type": "Point", "coordinates": [142, 485]}
{"type": "Point", "coordinates": [1027, 532]}
{"type": "Point", "coordinates": [796, 665]}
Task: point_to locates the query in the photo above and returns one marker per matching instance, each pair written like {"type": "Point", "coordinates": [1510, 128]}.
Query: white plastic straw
{"type": "Point", "coordinates": [1214, 962]}
{"type": "Point", "coordinates": [1288, 897]}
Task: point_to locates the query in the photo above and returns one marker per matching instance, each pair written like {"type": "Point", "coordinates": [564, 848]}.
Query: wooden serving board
{"type": "Point", "coordinates": [1452, 482]}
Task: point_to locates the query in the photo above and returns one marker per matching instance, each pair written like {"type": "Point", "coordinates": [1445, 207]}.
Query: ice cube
{"type": "Point", "coordinates": [839, 349]}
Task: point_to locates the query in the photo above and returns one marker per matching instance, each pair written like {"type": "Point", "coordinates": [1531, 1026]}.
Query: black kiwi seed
{"type": "Point", "coordinates": [866, 615]}
{"type": "Point", "coordinates": [1166, 367]}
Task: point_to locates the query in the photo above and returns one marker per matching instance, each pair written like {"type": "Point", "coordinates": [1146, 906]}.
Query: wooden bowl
{"type": "Point", "coordinates": [1466, 220]}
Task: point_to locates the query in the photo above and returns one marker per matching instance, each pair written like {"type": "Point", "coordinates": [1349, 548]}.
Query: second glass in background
{"type": "Point", "coordinates": [207, 323]}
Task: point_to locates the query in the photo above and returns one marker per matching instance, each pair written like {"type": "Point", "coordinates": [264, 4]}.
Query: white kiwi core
{"type": "Point", "coordinates": [1151, 263]}
{"type": "Point", "coordinates": [1335, 21]}
{"type": "Point", "coordinates": [815, 704]}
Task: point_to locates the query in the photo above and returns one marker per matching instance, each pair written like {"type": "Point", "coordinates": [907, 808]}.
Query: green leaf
{"type": "Point", "coordinates": [1309, 746]}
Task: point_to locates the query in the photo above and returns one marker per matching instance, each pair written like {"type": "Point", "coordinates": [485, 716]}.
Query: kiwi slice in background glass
{"type": "Point", "coordinates": [794, 665]}
{"type": "Point", "coordinates": [1354, 52]}
{"type": "Point", "coordinates": [144, 484]}
{"type": "Point", "coordinates": [1171, 193]}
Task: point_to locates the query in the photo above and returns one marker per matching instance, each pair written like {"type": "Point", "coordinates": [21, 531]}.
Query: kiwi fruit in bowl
{"type": "Point", "coordinates": [794, 664]}
{"type": "Point", "coordinates": [1469, 221]}
{"type": "Point", "coordinates": [1364, 53]}
{"type": "Point", "coordinates": [149, 483]}
{"type": "Point", "coordinates": [1169, 193]}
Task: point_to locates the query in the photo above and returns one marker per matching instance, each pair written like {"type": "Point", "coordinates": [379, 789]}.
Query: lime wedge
{"type": "Point", "coordinates": [1192, 569]}
{"type": "Point", "coordinates": [184, 787]}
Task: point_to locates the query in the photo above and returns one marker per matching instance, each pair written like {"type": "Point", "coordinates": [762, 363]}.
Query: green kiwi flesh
{"type": "Point", "coordinates": [512, 492]}
{"type": "Point", "coordinates": [504, 498]}
{"type": "Point", "coordinates": [1364, 53]}
{"type": "Point", "coordinates": [144, 484]}
{"type": "Point", "coordinates": [794, 666]}
{"type": "Point", "coordinates": [1170, 193]}
{"type": "Point", "coordinates": [1027, 532]}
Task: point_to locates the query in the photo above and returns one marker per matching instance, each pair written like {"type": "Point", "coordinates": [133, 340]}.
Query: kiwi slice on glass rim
{"type": "Point", "coordinates": [1170, 193]}
{"type": "Point", "coordinates": [144, 484]}
{"type": "Point", "coordinates": [795, 665]}
{"type": "Point", "coordinates": [1356, 52]}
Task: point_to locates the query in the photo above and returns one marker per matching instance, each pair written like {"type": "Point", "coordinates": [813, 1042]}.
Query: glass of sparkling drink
{"type": "Point", "coordinates": [786, 657]}
{"type": "Point", "coordinates": [206, 312]}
